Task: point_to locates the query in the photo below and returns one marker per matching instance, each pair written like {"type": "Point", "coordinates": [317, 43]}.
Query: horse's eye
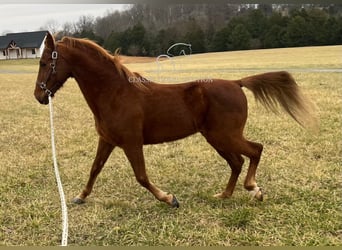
{"type": "Point", "coordinates": [42, 64]}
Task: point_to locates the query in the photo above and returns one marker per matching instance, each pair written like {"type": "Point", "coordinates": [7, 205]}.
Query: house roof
{"type": "Point", "coordinates": [23, 40]}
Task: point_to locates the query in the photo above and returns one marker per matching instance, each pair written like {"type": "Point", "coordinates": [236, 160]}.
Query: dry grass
{"type": "Point", "coordinates": [226, 64]}
{"type": "Point", "coordinates": [299, 171]}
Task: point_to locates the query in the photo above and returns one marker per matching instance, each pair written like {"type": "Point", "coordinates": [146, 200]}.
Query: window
{"type": "Point", "coordinates": [33, 51]}
{"type": "Point", "coordinates": [4, 52]}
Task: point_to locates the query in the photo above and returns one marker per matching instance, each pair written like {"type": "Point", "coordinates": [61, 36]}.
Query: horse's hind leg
{"type": "Point", "coordinates": [252, 150]}
{"type": "Point", "coordinates": [231, 148]}
{"type": "Point", "coordinates": [235, 162]}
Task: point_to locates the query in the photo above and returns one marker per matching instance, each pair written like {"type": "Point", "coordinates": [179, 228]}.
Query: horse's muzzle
{"type": "Point", "coordinates": [42, 98]}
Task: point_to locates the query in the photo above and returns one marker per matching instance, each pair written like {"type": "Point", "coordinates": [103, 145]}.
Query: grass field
{"type": "Point", "coordinates": [300, 171]}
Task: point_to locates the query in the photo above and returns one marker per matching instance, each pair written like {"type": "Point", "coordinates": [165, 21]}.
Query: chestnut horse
{"type": "Point", "coordinates": [130, 111]}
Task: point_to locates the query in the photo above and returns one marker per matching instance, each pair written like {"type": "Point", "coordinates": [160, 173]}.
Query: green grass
{"type": "Point", "coordinates": [300, 171]}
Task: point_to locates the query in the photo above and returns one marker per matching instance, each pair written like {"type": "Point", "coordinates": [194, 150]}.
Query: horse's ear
{"type": "Point", "coordinates": [50, 41]}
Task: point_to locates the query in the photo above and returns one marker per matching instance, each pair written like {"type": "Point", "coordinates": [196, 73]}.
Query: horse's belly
{"type": "Point", "coordinates": [173, 112]}
{"type": "Point", "coordinates": [163, 132]}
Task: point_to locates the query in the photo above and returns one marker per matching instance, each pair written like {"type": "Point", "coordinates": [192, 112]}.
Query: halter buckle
{"type": "Point", "coordinates": [42, 85]}
{"type": "Point", "coordinates": [54, 55]}
{"type": "Point", "coordinates": [48, 92]}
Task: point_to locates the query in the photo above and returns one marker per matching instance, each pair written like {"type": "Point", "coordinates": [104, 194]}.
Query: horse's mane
{"type": "Point", "coordinates": [102, 54]}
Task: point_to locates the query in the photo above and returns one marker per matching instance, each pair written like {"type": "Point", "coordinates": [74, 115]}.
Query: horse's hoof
{"type": "Point", "coordinates": [78, 201]}
{"type": "Point", "coordinates": [174, 202]}
{"type": "Point", "coordinates": [220, 196]}
{"type": "Point", "coordinates": [257, 194]}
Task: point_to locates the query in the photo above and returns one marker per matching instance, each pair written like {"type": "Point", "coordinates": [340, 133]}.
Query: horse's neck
{"type": "Point", "coordinates": [96, 84]}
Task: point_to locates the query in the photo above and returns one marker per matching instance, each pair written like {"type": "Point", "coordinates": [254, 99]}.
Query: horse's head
{"type": "Point", "coordinates": [53, 71]}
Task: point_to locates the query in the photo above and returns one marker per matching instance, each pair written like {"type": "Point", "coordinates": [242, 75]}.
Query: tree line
{"type": "Point", "coordinates": [145, 30]}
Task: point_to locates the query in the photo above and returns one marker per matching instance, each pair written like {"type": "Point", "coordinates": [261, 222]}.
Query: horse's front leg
{"type": "Point", "coordinates": [104, 149]}
{"type": "Point", "coordinates": [136, 158]}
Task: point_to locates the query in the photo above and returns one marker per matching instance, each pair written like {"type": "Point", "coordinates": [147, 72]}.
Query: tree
{"type": "Point", "coordinates": [297, 32]}
{"type": "Point", "coordinates": [84, 28]}
{"type": "Point", "coordinates": [256, 23]}
{"type": "Point", "coordinates": [164, 39]}
{"type": "Point", "coordinates": [52, 26]}
{"type": "Point", "coordinates": [220, 40]}
{"type": "Point", "coordinates": [333, 31]}
{"type": "Point", "coordinates": [196, 37]}
{"type": "Point", "coordinates": [132, 41]}
{"type": "Point", "coordinates": [316, 20]}
{"type": "Point", "coordinates": [150, 29]}
{"type": "Point", "coordinates": [137, 40]}
{"type": "Point", "coordinates": [240, 38]}
{"type": "Point", "coordinates": [275, 37]}
{"type": "Point", "coordinates": [68, 29]}
{"type": "Point", "coordinates": [114, 41]}
{"type": "Point", "coordinates": [277, 19]}
{"type": "Point", "coordinates": [85, 23]}
{"type": "Point", "coordinates": [266, 8]}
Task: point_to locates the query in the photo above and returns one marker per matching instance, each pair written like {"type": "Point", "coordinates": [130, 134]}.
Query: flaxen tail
{"type": "Point", "coordinates": [276, 89]}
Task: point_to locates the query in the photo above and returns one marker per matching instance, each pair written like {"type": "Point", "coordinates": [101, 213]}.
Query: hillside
{"type": "Point", "coordinates": [149, 30]}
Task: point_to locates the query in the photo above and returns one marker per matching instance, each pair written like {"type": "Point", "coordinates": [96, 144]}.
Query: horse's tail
{"type": "Point", "coordinates": [279, 88]}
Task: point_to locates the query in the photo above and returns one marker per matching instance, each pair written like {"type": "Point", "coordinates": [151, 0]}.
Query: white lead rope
{"type": "Point", "coordinates": [58, 179]}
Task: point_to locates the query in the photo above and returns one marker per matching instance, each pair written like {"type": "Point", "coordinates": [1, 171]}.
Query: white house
{"type": "Point", "coordinates": [22, 45]}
